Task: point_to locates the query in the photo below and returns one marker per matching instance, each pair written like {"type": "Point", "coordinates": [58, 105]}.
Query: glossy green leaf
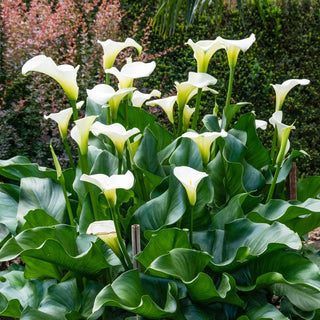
{"type": "Point", "coordinates": [161, 243]}
{"type": "Point", "coordinates": [128, 292]}
{"type": "Point", "coordinates": [285, 274]}
{"type": "Point", "coordinates": [38, 218]}
{"type": "Point", "coordinates": [8, 207]}
{"type": "Point", "coordinates": [255, 311]}
{"type": "Point", "coordinates": [95, 109]}
{"type": "Point", "coordinates": [308, 187]}
{"type": "Point", "coordinates": [104, 162]}
{"type": "Point", "coordinates": [230, 111]}
{"type": "Point", "coordinates": [243, 240]}
{"type": "Point", "coordinates": [300, 217]}
{"type": "Point", "coordinates": [163, 210]}
{"type": "Point", "coordinates": [36, 193]}
{"type": "Point", "coordinates": [211, 122]}
{"type": "Point", "coordinates": [20, 167]}
{"type": "Point", "coordinates": [176, 264]}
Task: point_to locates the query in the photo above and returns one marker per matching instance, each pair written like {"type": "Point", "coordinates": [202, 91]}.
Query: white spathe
{"type": "Point", "coordinates": [62, 118]}
{"type": "Point", "coordinates": [139, 98]}
{"type": "Point", "coordinates": [101, 93]}
{"type": "Point", "coordinates": [166, 104]}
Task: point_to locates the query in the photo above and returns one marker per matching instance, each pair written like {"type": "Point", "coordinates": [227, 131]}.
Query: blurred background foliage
{"type": "Point", "coordinates": [287, 46]}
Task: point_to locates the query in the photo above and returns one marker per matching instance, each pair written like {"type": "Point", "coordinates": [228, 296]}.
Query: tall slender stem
{"type": "Point", "coordinates": [191, 226]}
{"type": "Point", "coordinates": [69, 210]}
{"type": "Point", "coordinates": [227, 105]}
{"type": "Point", "coordinates": [274, 181]}
{"type": "Point", "coordinates": [74, 110]}
{"type": "Point", "coordinates": [180, 120]}
{"type": "Point", "coordinates": [66, 145]}
{"type": "Point", "coordinates": [197, 110]}
{"type": "Point", "coordinates": [273, 146]}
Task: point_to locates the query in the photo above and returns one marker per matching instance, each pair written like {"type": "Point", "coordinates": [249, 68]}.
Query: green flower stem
{"type": "Point", "coordinates": [191, 225]}
{"type": "Point", "coordinates": [127, 264]}
{"type": "Point", "coordinates": [230, 84]}
{"type": "Point", "coordinates": [273, 146]}
{"type": "Point", "coordinates": [64, 190]}
{"type": "Point", "coordinates": [180, 120]}
{"type": "Point", "coordinates": [74, 110]}
{"type": "Point", "coordinates": [85, 169]}
{"type": "Point", "coordinates": [274, 182]}
{"type": "Point", "coordinates": [197, 110]}
{"type": "Point", "coordinates": [120, 159]}
{"type": "Point", "coordinates": [66, 145]}
{"type": "Point", "coordinates": [108, 78]}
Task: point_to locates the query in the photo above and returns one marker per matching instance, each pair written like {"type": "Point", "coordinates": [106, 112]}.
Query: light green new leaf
{"type": "Point", "coordinates": [36, 193]}
{"type": "Point", "coordinates": [300, 217]}
{"type": "Point", "coordinates": [130, 293]}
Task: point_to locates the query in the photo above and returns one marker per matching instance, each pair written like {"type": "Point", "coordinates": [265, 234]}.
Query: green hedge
{"type": "Point", "coordinates": [287, 46]}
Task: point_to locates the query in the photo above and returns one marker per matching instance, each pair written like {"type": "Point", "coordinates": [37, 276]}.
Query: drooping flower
{"type": "Point", "coordinates": [186, 90]}
{"type": "Point", "coordinates": [166, 104]}
{"type": "Point", "coordinates": [65, 74]}
{"type": "Point", "coordinates": [62, 118]}
{"type": "Point", "coordinates": [139, 98]}
{"type": "Point", "coordinates": [233, 47]}
{"type": "Point", "coordinates": [106, 231]}
{"type": "Point", "coordinates": [115, 132]}
{"type": "Point", "coordinates": [80, 132]}
{"type": "Point", "coordinates": [112, 48]}
{"type": "Point", "coordinates": [101, 93]}
{"type": "Point", "coordinates": [189, 178]}
{"type": "Point", "coordinates": [131, 71]}
{"type": "Point", "coordinates": [283, 89]}
{"type": "Point", "coordinates": [109, 185]}
{"type": "Point", "coordinates": [204, 141]}
{"type": "Point", "coordinates": [203, 51]}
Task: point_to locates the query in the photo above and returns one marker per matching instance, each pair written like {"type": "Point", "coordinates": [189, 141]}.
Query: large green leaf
{"type": "Point", "coordinates": [300, 217]}
{"type": "Point", "coordinates": [243, 240]}
{"type": "Point", "coordinates": [20, 167]}
{"type": "Point", "coordinates": [36, 193]}
{"type": "Point", "coordinates": [163, 210]}
{"type": "Point", "coordinates": [55, 248]}
{"type": "Point", "coordinates": [211, 122]}
{"type": "Point", "coordinates": [308, 188]}
{"type": "Point", "coordinates": [285, 274]}
{"type": "Point", "coordinates": [130, 293]}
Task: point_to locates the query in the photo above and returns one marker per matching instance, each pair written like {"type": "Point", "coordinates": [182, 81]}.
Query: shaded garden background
{"type": "Point", "coordinates": [287, 46]}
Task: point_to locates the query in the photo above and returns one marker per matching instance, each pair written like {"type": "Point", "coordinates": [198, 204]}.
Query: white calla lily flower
{"type": "Point", "coordinates": [112, 48]}
{"type": "Point", "coordinates": [101, 93]}
{"type": "Point", "coordinates": [106, 231]}
{"type": "Point", "coordinates": [115, 132]}
{"type": "Point", "coordinates": [186, 90]}
{"type": "Point", "coordinates": [109, 185]}
{"type": "Point", "coordinates": [139, 98]}
{"type": "Point", "coordinates": [79, 104]}
{"type": "Point", "coordinates": [80, 132]}
{"type": "Point", "coordinates": [62, 118]}
{"type": "Point", "coordinates": [233, 47]}
{"type": "Point", "coordinates": [65, 74]}
{"type": "Point", "coordinates": [283, 89]}
{"type": "Point", "coordinates": [189, 178]}
{"type": "Point", "coordinates": [261, 124]}
{"type": "Point", "coordinates": [203, 51]}
{"type": "Point", "coordinates": [204, 141]}
{"type": "Point", "coordinates": [166, 104]}
{"type": "Point", "coordinates": [187, 113]}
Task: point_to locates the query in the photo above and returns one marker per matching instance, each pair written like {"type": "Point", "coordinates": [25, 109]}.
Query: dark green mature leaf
{"type": "Point", "coordinates": [146, 158]}
{"type": "Point", "coordinates": [20, 167]}
{"type": "Point", "coordinates": [161, 243]}
{"type": "Point", "coordinates": [211, 122]}
{"type": "Point", "coordinates": [243, 240]}
{"type": "Point", "coordinates": [9, 206]}
{"type": "Point", "coordinates": [285, 274]}
{"type": "Point", "coordinates": [229, 112]}
{"type": "Point", "coordinates": [255, 311]}
{"type": "Point", "coordinates": [104, 162]}
{"type": "Point", "coordinates": [95, 109]}
{"type": "Point", "coordinates": [163, 210]}
{"type": "Point", "coordinates": [177, 264]}
{"type": "Point", "coordinates": [36, 193]}
{"type": "Point", "coordinates": [300, 217]}
{"type": "Point", "coordinates": [308, 188]}
{"type": "Point", "coordinates": [129, 292]}
{"type": "Point", "coordinates": [38, 218]}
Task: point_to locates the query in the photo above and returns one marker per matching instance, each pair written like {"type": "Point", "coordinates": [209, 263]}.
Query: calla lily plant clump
{"type": "Point", "coordinates": [181, 222]}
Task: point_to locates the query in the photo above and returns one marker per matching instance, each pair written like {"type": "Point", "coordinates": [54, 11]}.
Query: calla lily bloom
{"type": "Point", "coordinates": [190, 179]}
{"type": "Point", "coordinates": [112, 48]}
{"type": "Point", "coordinates": [108, 185]}
{"type": "Point", "coordinates": [101, 93]}
{"type": "Point", "coordinates": [131, 71]}
{"type": "Point", "coordinates": [203, 51]}
{"type": "Point", "coordinates": [233, 47]}
{"type": "Point", "coordinates": [114, 102]}
{"type": "Point", "coordinates": [106, 231]}
{"type": "Point", "coordinates": [79, 104]}
{"type": "Point", "coordinates": [283, 89]}
{"type": "Point", "coordinates": [62, 118]}
{"type": "Point", "coordinates": [166, 104]}
{"type": "Point", "coordinates": [261, 124]}
{"type": "Point", "coordinates": [187, 113]}
{"type": "Point", "coordinates": [186, 90]}
{"type": "Point", "coordinates": [282, 129]}
{"type": "Point", "coordinates": [139, 98]}
{"type": "Point", "coordinates": [64, 74]}
{"type": "Point", "coordinates": [80, 132]}
{"type": "Point", "coordinates": [115, 132]}
{"type": "Point", "coordinates": [204, 141]}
